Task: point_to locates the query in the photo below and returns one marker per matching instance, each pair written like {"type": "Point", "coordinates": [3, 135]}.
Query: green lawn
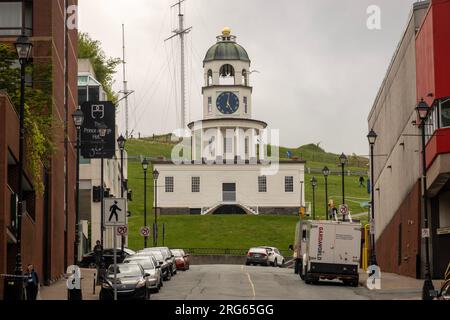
{"type": "Point", "coordinates": [224, 231]}
{"type": "Point", "coordinates": [230, 231]}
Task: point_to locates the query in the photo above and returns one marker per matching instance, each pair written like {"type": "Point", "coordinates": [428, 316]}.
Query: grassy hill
{"type": "Point", "coordinates": [238, 231]}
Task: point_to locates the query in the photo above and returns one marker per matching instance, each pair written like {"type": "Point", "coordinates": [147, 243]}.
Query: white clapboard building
{"type": "Point", "coordinates": [230, 169]}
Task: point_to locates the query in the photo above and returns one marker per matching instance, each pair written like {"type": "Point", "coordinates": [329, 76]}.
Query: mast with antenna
{"type": "Point", "coordinates": [125, 90]}
{"type": "Point", "coordinates": [181, 31]}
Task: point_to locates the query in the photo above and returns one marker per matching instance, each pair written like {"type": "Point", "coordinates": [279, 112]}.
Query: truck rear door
{"type": "Point", "coordinates": [347, 244]}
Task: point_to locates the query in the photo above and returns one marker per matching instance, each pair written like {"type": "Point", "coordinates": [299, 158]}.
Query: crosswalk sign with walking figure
{"type": "Point", "coordinates": [114, 212]}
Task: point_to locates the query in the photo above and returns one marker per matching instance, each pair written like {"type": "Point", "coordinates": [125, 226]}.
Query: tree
{"type": "Point", "coordinates": [104, 67]}
{"type": "Point", "coordinates": [38, 121]}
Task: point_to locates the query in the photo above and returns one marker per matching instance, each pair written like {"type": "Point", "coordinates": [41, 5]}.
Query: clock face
{"type": "Point", "coordinates": [227, 103]}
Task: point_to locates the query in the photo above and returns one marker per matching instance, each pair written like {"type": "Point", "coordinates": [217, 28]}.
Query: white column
{"type": "Point", "coordinates": [261, 146]}
{"type": "Point", "coordinates": [237, 143]}
{"type": "Point", "coordinates": [194, 146]}
{"type": "Point", "coordinates": [219, 144]}
{"type": "Point", "coordinates": [252, 143]}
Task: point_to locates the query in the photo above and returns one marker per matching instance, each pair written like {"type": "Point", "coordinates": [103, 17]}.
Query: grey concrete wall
{"type": "Point", "coordinates": [217, 259]}
{"type": "Point", "coordinates": [396, 163]}
{"type": "Point", "coordinates": [174, 211]}
{"type": "Point", "coordinates": [293, 211]}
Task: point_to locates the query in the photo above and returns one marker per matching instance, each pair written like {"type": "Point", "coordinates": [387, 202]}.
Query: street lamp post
{"type": "Point", "coordinates": [326, 173]}
{"type": "Point", "coordinates": [145, 167]}
{"type": "Point", "coordinates": [121, 143]}
{"type": "Point", "coordinates": [78, 119]}
{"type": "Point", "coordinates": [155, 184]}
{"type": "Point", "coordinates": [423, 110]}
{"type": "Point", "coordinates": [102, 128]}
{"type": "Point", "coordinates": [343, 161]}
{"type": "Point", "coordinates": [23, 48]}
{"type": "Point", "coordinates": [372, 137]}
{"type": "Point", "coordinates": [314, 185]}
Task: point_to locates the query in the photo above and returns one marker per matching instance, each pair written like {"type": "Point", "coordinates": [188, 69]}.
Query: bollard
{"type": "Point", "coordinates": [73, 276]}
{"type": "Point", "coordinates": [93, 283]}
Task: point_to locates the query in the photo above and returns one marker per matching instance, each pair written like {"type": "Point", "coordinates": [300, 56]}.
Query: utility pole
{"type": "Point", "coordinates": [181, 31]}
{"type": "Point", "coordinates": [125, 91]}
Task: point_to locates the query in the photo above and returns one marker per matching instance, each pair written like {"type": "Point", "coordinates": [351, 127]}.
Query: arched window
{"type": "Point", "coordinates": [209, 78]}
{"type": "Point", "coordinates": [244, 78]}
{"type": "Point", "coordinates": [226, 75]}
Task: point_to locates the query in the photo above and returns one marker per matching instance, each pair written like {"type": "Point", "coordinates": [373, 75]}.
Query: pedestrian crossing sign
{"type": "Point", "coordinates": [114, 212]}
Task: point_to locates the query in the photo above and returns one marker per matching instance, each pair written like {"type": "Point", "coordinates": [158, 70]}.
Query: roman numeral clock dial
{"type": "Point", "coordinates": [227, 103]}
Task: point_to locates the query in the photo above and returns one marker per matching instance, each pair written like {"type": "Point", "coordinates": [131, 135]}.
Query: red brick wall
{"type": "Point", "coordinates": [48, 40]}
{"type": "Point", "coordinates": [387, 246]}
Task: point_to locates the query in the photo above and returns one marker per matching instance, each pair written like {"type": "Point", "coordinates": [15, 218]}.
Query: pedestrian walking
{"type": "Point", "coordinates": [31, 283]}
{"type": "Point", "coordinates": [361, 181]}
{"type": "Point", "coordinates": [98, 253]}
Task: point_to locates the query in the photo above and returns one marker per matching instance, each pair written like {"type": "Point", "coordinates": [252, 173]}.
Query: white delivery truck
{"type": "Point", "coordinates": [328, 250]}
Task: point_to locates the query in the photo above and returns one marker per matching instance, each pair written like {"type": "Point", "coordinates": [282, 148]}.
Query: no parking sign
{"type": "Point", "coordinates": [145, 231]}
{"type": "Point", "coordinates": [122, 230]}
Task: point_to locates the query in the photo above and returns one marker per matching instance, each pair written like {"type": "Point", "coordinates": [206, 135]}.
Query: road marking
{"type": "Point", "coordinates": [253, 287]}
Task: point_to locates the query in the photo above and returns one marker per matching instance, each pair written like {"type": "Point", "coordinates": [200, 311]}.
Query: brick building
{"type": "Point", "coordinates": [48, 227]}
{"type": "Point", "coordinates": [419, 69]}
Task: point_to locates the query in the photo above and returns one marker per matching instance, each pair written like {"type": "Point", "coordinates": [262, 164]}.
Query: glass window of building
{"type": "Point", "coordinates": [445, 113]}
{"type": "Point", "coordinates": [262, 184]}
{"type": "Point", "coordinates": [195, 185]}
{"type": "Point", "coordinates": [169, 184]}
{"type": "Point", "coordinates": [289, 184]}
{"type": "Point", "coordinates": [245, 105]}
{"type": "Point", "coordinates": [16, 17]}
{"type": "Point", "coordinates": [209, 104]}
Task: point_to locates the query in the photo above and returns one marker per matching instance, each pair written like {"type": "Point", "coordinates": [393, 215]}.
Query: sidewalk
{"type": "Point", "coordinates": [391, 282]}
{"type": "Point", "coordinates": [58, 290]}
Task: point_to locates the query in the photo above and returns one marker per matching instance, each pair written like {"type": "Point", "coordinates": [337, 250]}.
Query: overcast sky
{"type": "Point", "coordinates": [319, 65]}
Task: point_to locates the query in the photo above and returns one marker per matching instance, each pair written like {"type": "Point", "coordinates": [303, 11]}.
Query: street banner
{"type": "Point", "coordinates": [96, 114]}
{"type": "Point", "coordinates": [114, 213]}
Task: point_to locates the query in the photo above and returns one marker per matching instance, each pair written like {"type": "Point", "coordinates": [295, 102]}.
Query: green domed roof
{"type": "Point", "coordinates": [226, 49]}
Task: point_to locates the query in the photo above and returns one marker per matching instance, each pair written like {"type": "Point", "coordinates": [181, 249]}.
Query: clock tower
{"type": "Point", "coordinates": [227, 130]}
{"type": "Point", "coordinates": [227, 91]}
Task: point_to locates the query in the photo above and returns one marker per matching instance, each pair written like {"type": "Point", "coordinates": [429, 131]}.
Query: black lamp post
{"type": "Point", "coordinates": [145, 168]}
{"type": "Point", "coordinates": [372, 137]}
{"type": "Point", "coordinates": [102, 129]}
{"type": "Point", "coordinates": [121, 143]}
{"type": "Point", "coordinates": [78, 119]}
{"type": "Point", "coordinates": [155, 186]}
{"type": "Point", "coordinates": [343, 161]}
{"type": "Point", "coordinates": [326, 173]}
{"type": "Point", "coordinates": [23, 48]}
{"type": "Point", "coordinates": [314, 185]}
{"type": "Point", "coordinates": [423, 110]}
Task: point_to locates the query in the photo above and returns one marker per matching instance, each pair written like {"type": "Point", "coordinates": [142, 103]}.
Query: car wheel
{"type": "Point", "coordinates": [275, 263]}
{"type": "Point", "coordinates": [282, 264]}
{"type": "Point", "coordinates": [92, 265]}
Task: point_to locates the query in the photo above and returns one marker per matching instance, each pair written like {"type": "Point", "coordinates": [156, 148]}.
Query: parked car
{"type": "Point", "coordinates": [168, 256]}
{"type": "Point", "coordinates": [151, 266]}
{"type": "Point", "coordinates": [88, 260]}
{"type": "Point", "coordinates": [258, 256]}
{"type": "Point", "coordinates": [275, 257]}
{"type": "Point", "coordinates": [132, 282]}
{"type": "Point", "coordinates": [165, 266]}
{"type": "Point", "coordinates": [182, 259]}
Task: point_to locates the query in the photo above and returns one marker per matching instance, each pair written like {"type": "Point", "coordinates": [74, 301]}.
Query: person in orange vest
{"type": "Point", "coordinates": [332, 211]}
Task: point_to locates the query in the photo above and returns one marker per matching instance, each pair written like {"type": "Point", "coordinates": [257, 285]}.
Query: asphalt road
{"type": "Point", "coordinates": [234, 282]}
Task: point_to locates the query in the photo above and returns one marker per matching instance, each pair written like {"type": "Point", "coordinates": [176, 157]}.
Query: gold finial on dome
{"type": "Point", "coordinates": [226, 32]}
